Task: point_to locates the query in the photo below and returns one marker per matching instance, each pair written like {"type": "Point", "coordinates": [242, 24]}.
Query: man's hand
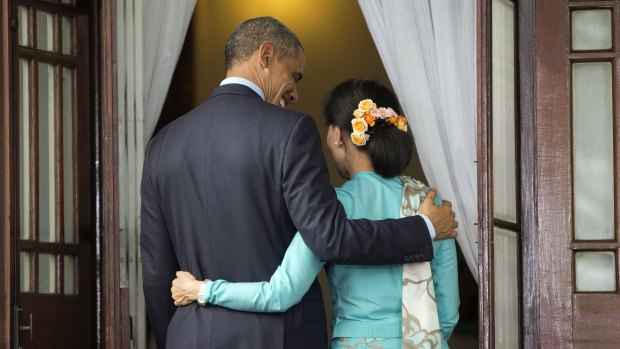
{"type": "Point", "coordinates": [442, 216]}
{"type": "Point", "coordinates": [185, 288]}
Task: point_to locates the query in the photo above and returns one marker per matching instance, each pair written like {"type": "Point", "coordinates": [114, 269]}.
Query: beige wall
{"type": "Point", "coordinates": [336, 40]}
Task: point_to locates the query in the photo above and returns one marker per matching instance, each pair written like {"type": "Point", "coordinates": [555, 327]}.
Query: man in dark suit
{"type": "Point", "coordinates": [226, 186]}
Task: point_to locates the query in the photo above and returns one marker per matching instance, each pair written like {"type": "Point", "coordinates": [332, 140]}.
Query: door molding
{"type": "Point", "coordinates": [486, 337]}
{"type": "Point", "coordinates": [552, 196]}
{"type": "Point", "coordinates": [113, 314]}
{"type": "Point", "coordinates": [530, 263]}
{"type": "Point", "coordinates": [6, 137]}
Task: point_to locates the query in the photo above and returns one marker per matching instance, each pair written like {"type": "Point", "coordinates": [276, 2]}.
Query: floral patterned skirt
{"type": "Point", "coordinates": [367, 343]}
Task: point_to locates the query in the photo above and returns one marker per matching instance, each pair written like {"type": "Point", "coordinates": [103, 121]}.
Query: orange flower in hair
{"type": "Point", "coordinates": [402, 123]}
{"type": "Point", "coordinates": [359, 125]}
{"type": "Point", "coordinates": [358, 113]}
{"type": "Point", "coordinates": [370, 120]}
{"type": "Point", "coordinates": [366, 105]}
{"type": "Point", "coordinates": [359, 139]}
{"type": "Point", "coordinates": [393, 120]}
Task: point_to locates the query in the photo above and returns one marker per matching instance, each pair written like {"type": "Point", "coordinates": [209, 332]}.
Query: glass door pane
{"type": "Point", "coordinates": [591, 30]}
{"type": "Point", "coordinates": [506, 271]}
{"type": "Point", "coordinates": [70, 278]}
{"type": "Point", "coordinates": [24, 25]}
{"type": "Point", "coordinates": [24, 150]}
{"type": "Point", "coordinates": [45, 31]}
{"type": "Point", "coordinates": [67, 154]}
{"type": "Point", "coordinates": [593, 147]}
{"type": "Point", "coordinates": [68, 28]}
{"type": "Point", "coordinates": [47, 154]}
{"type": "Point", "coordinates": [25, 272]}
{"type": "Point", "coordinates": [595, 271]}
{"type": "Point", "coordinates": [48, 275]}
{"type": "Point", "coordinates": [504, 132]}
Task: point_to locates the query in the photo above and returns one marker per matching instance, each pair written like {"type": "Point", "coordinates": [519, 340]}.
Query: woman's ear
{"type": "Point", "coordinates": [337, 134]}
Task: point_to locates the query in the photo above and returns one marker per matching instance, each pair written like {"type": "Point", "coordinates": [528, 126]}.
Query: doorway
{"type": "Point", "coordinates": [329, 63]}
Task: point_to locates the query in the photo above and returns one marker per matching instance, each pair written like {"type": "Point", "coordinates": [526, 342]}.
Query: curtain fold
{"type": "Point", "coordinates": [165, 24]}
{"type": "Point", "coordinates": [150, 35]}
{"type": "Point", "coordinates": [428, 50]}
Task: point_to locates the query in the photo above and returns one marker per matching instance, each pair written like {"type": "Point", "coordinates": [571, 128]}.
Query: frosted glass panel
{"type": "Point", "coordinates": [23, 26]}
{"type": "Point", "coordinates": [69, 274]}
{"type": "Point", "coordinates": [504, 156]}
{"type": "Point", "coordinates": [47, 161]}
{"type": "Point", "coordinates": [25, 272]}
{"type": "Point", "coordinates": [47, 273]}
{"type": "Point", "coordinates": [24, 150]}
{"type": "Point", "coordinates": [506, 289]}
{"type": "Point", "coordinates": [67, 35]}
{"type": "Point", "coordinates": [67, 154]}
{"type": "Point", "coordinates": [595, 272]}
{"type": "Point", "coordinates": [593, 151]}
{"type": "Point", "coordinates": [45, 31]}
{"type": "Point", "coordinates": [591, 30]}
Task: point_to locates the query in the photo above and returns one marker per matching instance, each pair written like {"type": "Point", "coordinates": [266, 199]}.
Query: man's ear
{"type": "Point", "coordinates": [265, 54]}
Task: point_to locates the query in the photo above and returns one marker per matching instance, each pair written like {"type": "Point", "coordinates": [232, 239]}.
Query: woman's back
{"type": "Point", "coordinates": [367, 299]}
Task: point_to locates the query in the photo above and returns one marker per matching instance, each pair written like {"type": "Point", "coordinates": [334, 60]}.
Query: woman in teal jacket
{"type": "Point", "coordinates": [366, 299]}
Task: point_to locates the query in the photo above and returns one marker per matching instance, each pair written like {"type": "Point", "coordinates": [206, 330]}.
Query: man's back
{"type": "Point", "coordinates": [216, 174]}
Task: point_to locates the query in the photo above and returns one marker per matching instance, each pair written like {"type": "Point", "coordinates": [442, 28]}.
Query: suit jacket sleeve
{"type": "Point", "coordinates": [159, 262]}
{"type": "Point", "coordinates": [321, 219]}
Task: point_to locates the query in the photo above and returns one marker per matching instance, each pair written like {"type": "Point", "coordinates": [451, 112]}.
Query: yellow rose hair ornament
{"type": "Point", "coordinates": [367, 118]}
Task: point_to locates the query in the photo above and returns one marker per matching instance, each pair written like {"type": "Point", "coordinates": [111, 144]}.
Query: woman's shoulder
{"type": "Point", "coordinates": [365, 182]}
{"type": "Point", "coordinates": [346, 192]}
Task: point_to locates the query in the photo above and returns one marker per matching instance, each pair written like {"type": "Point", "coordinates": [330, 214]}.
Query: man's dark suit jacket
{"type": "Point", "coordinates": [224, 189]}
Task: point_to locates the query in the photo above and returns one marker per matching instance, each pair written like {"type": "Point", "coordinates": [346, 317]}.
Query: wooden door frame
{"type": "Point", "coordinates": [6, 134]}
{"type": "Point", "coordinates": [110, 330]}
{"type": "Point", "coordinates": [115, 332]}
{"type": "Point", "coordinates": [530, 237]}
{"type": "Point", "coordinates": [486, 339]}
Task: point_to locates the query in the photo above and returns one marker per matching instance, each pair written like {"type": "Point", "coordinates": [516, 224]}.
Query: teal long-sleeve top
{"type": "Point", "coordinates": [366, 299]}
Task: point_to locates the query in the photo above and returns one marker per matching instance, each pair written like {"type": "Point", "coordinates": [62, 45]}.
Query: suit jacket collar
{"type": "Point", "coordinates": [236, 89]}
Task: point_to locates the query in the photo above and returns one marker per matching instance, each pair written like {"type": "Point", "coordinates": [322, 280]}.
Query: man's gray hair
{"type": "Point", "coordinates": [249, 35]}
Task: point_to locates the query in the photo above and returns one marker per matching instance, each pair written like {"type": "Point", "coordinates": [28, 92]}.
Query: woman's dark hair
{"type": "Point", "coordinates": [390, 149]}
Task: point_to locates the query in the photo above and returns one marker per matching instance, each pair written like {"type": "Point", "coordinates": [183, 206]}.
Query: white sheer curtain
{"type": "Point", "coordinates": [165, 26]}
{"type": "Point", "coordinates": [150, 35]}
{"type": "Point", "coordinates": [428, 50]}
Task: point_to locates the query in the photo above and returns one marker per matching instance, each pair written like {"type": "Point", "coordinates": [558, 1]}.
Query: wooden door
{"type": "Point", "coordinates": [54, 176]}
{"type": "Point", "coordinates": [577, 124]}
{"type": "Point", "coordinates": [567, 109]}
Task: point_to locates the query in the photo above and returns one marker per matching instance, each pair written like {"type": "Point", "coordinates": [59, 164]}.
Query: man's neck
{"type": "Point", "coordinates": [244, 71]}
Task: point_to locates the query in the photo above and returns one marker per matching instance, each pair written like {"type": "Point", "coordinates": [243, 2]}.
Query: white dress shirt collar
{"type": "Point", "coordinates": [244, 82]}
